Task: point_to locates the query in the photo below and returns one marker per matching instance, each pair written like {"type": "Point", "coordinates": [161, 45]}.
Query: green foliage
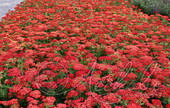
{"type": "Point", "coordinates": [151, 6]}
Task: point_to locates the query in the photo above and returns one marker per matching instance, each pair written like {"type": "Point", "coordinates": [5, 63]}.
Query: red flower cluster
{"type": "Point", "coordinates": [83, 54]}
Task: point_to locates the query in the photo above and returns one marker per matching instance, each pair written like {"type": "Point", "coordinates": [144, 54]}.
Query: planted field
{"type": "Point", "coordinates": [84, 54]}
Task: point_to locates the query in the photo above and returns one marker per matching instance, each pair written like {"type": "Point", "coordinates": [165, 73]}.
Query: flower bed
{"type": "Point", "coordinates": [83, 54]}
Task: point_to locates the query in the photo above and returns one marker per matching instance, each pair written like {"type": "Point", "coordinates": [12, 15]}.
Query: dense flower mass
{"type": "Point", "coordinates": [83, 54]}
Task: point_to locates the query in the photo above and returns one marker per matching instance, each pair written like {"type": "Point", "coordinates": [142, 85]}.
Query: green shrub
{"type": "Point", "coordinates": [151, 6]}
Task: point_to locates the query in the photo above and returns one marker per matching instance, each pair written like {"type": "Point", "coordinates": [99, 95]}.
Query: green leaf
{"type": "Point", "coordinates": [124, 28]}
{"type": "Point", "coordinates": [5, 86]}
{"type": "Point", "coordinates": [3, 93]}
{"type": "Point", "coordinates": [57, 52]}
{"type": "Point", "coordinates": [168, 100]}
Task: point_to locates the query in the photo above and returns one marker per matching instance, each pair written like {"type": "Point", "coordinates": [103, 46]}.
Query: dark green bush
{"type": "Point", "coordinates": [151, 6]}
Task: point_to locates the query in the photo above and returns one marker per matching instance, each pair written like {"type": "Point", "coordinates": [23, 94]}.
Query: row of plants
{"type": "Point", "coordinates": [83, 54]}
{"type": "Point", "coordinates": [153, 6]}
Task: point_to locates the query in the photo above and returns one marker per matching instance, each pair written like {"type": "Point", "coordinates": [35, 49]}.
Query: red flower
{"type": "Point", "coordinates": [49, 100]}
{"type": "Point", "coordinates": [72, 93]}
{"type": "Point", "coordinates": [80, 73]}
{"type": "Point", "coordinates": [155, 83]}
{"type": "Point", "coordinates": [29, 53]}
{"type": "Point", "coordinates": [146, 80]}
{"type": "Point", "coordinates": [71, 75]}
{"type": "Point", "coordinates": [105, 58]}
{"type": "Point", "coordinates": [133, 105]}
{"type": "Point", "coordinates": [79, 67]}
{"type": "Point", "coordinates": [76, 30]}
{"type": "Point", "coordinates": [49, 85]}
{"type": "Point", "coordinates": [29, 62]}
{"type": "Point", "coordinates": [30, 99]}
{"type": "Point", "coordinates": [35, 94]}
{"type": "Point", "coordinates": [116, 85]}
{"type": "Point", "coordinates": [4, 103]}
{"type": "Point", "coordinates": [168, 106]}
{"type": "Point", "coordinates": [32, 106]}
{"type": "Point", "coordinates": [141, 86]}
{"type": "Point", "coordinates": [146, 60]}
{"type": "Point", "coordinates": [31, 72]}
{"type": "Point", "coordinates": [81, 88]}
{"type": "Point", "coordinates": [156, 102]}
{"type": "Point", "coordinates": [109, 50]}
{"type": "Point", "coordinates": [40, 17]}
{"type": "Point", "coordinates": [105, 105]}
{"type": "Point", "coordinates": [121, 74]}
{"type": "Point", "coordinates": [35, 102]}
{"type": "Point", "coordinates": [15, 88]}
{"type": "Point", "coordinates": [9, 102]}
{"type": "Point", "coordinates": [51, 10]}
{"type": "Point", "coordinates": [119, 107]}
{"type": "Point", "coordinates": [14, 72]}
{"type": "Point", "coordinates": [131, 76]}
{"type": "Point", "coordinates": [61, 105]}
{"type": "Point", "coordinates": [111, 97]}
{"type": "Point", "coordinates": [23, 91]}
